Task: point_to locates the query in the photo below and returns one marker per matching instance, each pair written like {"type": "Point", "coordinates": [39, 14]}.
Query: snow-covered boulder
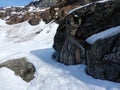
{"type": "Point", "coordinates": [21, 67]}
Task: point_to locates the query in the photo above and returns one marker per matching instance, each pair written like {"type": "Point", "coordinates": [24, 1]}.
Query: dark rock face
{"type": "Point", "coordinates": [60, 37]}
{"type": "Point", "coordinates": [95, 18]}
{"type": "Point", "coordinates": [21, 68]}
{"type": "Point", "coordinates": [103, 57]}
{"type": "Point", "coordinates": [72, 52]}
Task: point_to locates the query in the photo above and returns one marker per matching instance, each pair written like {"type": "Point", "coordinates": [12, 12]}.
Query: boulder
{"type": "Point", "coordinates": [60, 37]}
{"type": "Point", "coordinates": [93, 18]}
{"type": "Point", "coordinates": [21, 67]}
{"type": "Point", "coordinates": [34, 21]}
{"type": "Point", "coordinates": [102, 57]}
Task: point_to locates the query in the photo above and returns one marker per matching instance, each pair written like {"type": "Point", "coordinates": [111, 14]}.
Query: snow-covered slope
{"type": "Point", "coordinates": [35, 43]}
{"type": "Point", "coordinates": [23, 37]}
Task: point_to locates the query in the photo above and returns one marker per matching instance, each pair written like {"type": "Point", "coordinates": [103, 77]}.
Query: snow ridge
{"type": "Point", "coordinates": [102, 35]}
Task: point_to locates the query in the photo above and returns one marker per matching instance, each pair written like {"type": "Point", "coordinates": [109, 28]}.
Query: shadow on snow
{"type": "Point", "coordinates": [76, 71]}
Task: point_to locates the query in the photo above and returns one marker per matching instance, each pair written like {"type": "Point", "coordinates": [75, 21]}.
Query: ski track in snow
{"type": "Point", "coordinates": [50, 75]}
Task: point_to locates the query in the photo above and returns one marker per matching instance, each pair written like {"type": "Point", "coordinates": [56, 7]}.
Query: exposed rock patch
{"type": "Point", "coordinates": [34, 21]}
{"type": "Point", "coordinates": [21, 67]}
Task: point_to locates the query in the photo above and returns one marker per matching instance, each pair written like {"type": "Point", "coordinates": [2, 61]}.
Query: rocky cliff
{"type": "Point", "coordinates": [101, 57]}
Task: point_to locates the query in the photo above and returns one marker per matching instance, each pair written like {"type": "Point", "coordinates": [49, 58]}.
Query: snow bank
{"type": "Point", "coordinates": [2, 23]}
{"type": "Point", "coordinates": [102, 35]}
{"type": "Point", "coordinates": [9, 81]}
{"type": "Point", "coordinates": [23, 37]}
{"type": "Point", "coordinates": [36, 9]}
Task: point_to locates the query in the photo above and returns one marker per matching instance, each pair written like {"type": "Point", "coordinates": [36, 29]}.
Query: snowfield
{"type": "Point", "coordinates": [35, 43]}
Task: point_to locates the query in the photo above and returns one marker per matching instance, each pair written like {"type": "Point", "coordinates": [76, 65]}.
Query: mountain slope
{"type": "Point", "coordinates": [49, 75]}
{"type": "Point", "coordinates": [35, 44]}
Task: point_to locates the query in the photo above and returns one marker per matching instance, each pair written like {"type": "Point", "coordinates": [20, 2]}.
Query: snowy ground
{"type": "Point", "coordinates": [35, 43]}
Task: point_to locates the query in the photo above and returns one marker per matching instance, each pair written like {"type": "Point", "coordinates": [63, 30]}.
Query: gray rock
{"type": "Point", "coordinates": [72, 53]}
{"type": "Point", "coordinates": [103, 57]}
{"type": "Point", "coordinates": [34, 21]}
{"type": "Point", "coordinates": [21, 67]}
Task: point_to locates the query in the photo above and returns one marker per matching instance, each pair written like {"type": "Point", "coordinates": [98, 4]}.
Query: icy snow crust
{"type": "Point", "coordinates": [35, 43]}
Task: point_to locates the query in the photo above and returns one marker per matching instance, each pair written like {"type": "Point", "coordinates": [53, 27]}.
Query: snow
{"type": "Point", "coordinates": [20, 40]}
{"type": "Point", "coordinates": [102, 35]}
{"type": "Point", "coordinates": [2, 23]}
{"type": "Point", "coordinates": [2, 11]}
{"type": "Point", "coordinates": [13, 7]}
{"type": "Point", "coordinates": [36, 9]}
{"type": "Point", "coordinates": [11, 82]}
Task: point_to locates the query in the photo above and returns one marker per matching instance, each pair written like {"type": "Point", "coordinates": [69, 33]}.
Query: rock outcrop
{"type": "Point", "coordinates": [102, 57]}
{"type": "Point", "coordinates": [21, 67]}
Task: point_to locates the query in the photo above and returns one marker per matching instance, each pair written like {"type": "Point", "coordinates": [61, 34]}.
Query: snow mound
{"type": "Point", "coordinates": [2, 23]}
{"type": "Point", "coordinates": [9, 81]}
